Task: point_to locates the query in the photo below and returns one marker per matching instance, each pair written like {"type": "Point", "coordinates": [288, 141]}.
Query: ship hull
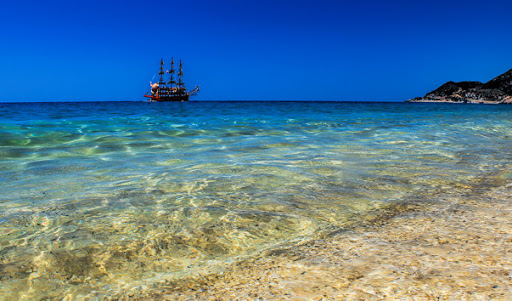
{"type": "Point", "coordinates": [173, 98]}
{"type": "Point", "coordinates": [168, 98]}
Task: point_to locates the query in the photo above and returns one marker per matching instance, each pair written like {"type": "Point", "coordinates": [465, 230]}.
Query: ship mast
{"type": "Point", "coordinates": [180, 76]}
{"type": "Point", "coordinates": [172, 82]}
{"type": "Point", "coordinates": [161, 82]}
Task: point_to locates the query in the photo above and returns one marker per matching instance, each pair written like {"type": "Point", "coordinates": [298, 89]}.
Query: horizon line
{"type": "Point", "coordinates": [205, 100]}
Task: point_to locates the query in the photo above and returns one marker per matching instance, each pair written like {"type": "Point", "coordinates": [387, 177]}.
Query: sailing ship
{"type": "Point", "coordinates": [171, 90]}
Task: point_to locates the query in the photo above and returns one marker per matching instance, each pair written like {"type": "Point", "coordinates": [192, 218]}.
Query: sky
{"type": "Point", "coordinates": [250, 50]}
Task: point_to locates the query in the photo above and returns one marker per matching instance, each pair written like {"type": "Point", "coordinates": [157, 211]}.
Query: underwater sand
{"type": "Point", "coordinates": [112, 200]}
{"type": "Point", "coordinates": [456, 248]}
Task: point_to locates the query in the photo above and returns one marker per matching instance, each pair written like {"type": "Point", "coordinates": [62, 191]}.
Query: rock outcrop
{"type": "Point", "coordinates": [497, 90]}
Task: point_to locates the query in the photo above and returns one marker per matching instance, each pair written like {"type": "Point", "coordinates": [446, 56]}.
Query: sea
{"type": "Point", "coordinates": [98, 199]}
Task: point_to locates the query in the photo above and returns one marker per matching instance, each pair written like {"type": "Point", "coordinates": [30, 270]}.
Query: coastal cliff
{"type": "Point", "coordinates": [497, 90]}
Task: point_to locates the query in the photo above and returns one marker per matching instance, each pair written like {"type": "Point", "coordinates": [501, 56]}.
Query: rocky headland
{"type": "Point", "coordinates": [496, 91]}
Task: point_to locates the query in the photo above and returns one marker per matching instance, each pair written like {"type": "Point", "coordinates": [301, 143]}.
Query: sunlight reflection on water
{"type": "Point", "coordinates": [107, 196]}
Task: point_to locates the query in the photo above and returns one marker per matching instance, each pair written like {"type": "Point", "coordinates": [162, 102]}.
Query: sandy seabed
{"type": "Point", "coordinates": [457, 247]}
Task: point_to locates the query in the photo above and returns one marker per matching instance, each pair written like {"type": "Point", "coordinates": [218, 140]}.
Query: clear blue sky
{"type": "Point", "coordinates": [250, 50]}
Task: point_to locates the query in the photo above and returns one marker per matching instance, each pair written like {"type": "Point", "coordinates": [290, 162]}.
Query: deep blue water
{"type": "Point", "coordinates": [105, 196]}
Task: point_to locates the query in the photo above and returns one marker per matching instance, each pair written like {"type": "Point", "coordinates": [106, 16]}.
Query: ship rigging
{"type": "Point", "coordinates": [171, 90]}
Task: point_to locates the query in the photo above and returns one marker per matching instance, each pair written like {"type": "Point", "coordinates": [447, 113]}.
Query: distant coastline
{"type": "Point", "coordinates": [496, 91]}
{"type": "Point", "coordinates": [468, 100]}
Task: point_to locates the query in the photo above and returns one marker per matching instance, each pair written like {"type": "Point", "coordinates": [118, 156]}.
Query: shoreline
{"type": "Point", "coordinates": [455, 102]}
{"type": "Point", "coordinates": [469, 101]}
{"type": "Point", "coordinates": [457, 246]}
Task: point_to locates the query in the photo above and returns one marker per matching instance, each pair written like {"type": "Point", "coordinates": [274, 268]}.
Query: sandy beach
{"type": "Point", "coordinates": [457, 247]}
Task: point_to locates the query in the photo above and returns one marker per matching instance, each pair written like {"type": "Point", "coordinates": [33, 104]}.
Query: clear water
{"type": "Point", "coordinates": [102, 198]}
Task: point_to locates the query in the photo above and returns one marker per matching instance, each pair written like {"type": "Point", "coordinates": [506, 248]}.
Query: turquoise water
{"type": "Point", "coordinates": [102, 198]}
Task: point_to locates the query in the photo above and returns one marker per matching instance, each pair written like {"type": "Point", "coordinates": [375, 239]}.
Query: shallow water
{"type": "Point", "coordinates": [101, 198]}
